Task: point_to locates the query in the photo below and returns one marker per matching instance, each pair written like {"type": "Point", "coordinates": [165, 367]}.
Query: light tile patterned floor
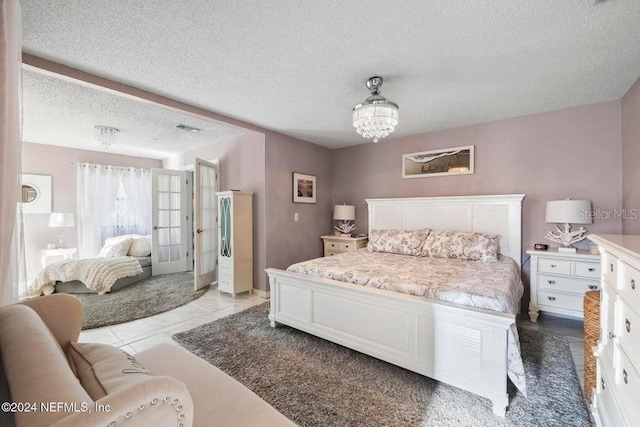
{"type": "Point", "coordinates": [138, 335]}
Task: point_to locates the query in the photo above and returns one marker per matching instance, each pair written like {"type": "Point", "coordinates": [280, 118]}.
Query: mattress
{"type": "Point", "coordinates": [494, 286]}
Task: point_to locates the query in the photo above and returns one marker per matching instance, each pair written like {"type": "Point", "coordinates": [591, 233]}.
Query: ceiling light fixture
{"type": "Point", "coordinates": [376, 117]}
{"type": "Point", "coordinates": [106, 135]}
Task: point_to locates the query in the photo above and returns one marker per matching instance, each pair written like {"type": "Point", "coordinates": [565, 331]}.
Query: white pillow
{"type": "Point", "coordinates": [141, 246]}
{"type": "Point", "coordinates": [115, 247]}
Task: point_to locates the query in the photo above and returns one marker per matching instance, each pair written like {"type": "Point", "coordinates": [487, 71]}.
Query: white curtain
{"type": "Point", "coordinates": [137, 185]}
{"type": "Point", "coordinates": [96, 191]}
{"type": "Point", "coordinates": [10, 150]}
{"type": "Point", "coordinates": [111, 201]}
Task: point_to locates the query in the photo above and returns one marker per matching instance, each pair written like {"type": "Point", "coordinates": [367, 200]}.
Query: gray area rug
{"type": "Point", "coordinates": [318, 383]}
{"type": "Point", "coordinates": [150, 296]}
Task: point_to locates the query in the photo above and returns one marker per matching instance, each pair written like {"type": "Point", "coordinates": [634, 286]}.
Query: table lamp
{"type": "Point", "coordinates": [61, 220]}
{"type": "Point", "coordinates": [345, 214]}
{"type": "Point", "coordinates": [568, 212]}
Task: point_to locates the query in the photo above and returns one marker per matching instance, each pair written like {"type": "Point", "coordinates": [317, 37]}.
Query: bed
{"type": "Point", "coordinates": [77, 287]}
{"type": "Point", "coordinates": [467, 347]}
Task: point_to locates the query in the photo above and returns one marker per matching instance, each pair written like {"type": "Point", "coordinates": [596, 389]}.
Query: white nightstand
{"type": "Point", "coordinates": [559, 281]}
{"type": "Point", "coordinates": [66, 253]}
{"type": "Point", "coordinates": [334, 245]}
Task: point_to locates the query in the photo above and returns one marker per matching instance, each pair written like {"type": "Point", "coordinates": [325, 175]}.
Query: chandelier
{"type": "Point", "coordinates": [106, 135]}
{"type": "Point", "coordinates": [376, 117]}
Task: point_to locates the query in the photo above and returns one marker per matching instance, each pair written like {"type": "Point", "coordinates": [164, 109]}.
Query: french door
{"type": "Point", "coordinates": [171, 220]}
{"type": "Point", "coordinates": [205, 213]}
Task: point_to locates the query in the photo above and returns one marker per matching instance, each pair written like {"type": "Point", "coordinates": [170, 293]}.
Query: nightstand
{"type": "Point", "coordinates": [334, 245]}
{"type": "Point", "coordinates": [559, 281]}
{"type": "Point", "coordinates": [65, 253]}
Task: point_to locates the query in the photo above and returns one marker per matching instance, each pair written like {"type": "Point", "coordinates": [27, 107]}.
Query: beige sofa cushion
{"type": "Point", "coordinates": [35, 366]}
{"type": "Point", "coordinates": [103, 369]}
{"type": "Point", "coordinates": [218, 399]}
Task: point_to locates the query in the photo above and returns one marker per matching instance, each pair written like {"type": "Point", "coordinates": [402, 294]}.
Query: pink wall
{"type": "Point", "coordinates": [290, 241]}
{"type": "Point", "coordinates": [569, 153]}
{"type": "Point", "coordinates": [630, 157]}
{"type": "Point", "coordinates": [242, 167]}
{"type": "Point", "coordinates": [54, 161]}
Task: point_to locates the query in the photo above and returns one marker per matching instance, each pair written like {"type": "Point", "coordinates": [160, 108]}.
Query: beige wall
{"type": "Point", "coordinates": [242, 167]}
{"type": "Point", "coordinates": [569, 153]}
{"type": "Point", "coordinates": [54, 161]}
{"type": "Point", "coordinates": [290, 241]}
{"type": "Point", "coordinates": [630, 159]}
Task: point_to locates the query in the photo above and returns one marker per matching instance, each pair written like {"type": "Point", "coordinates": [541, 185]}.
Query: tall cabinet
{"type": "Point", "coordinates": [616, 401]}
{"type": "Point", "coordinates": [235, 242]}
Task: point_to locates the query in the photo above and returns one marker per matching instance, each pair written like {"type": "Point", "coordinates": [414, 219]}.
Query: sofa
{"type": "Point", "coordinates": [48, 379]}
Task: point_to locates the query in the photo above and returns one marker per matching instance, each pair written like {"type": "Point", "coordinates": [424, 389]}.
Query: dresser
{"type": "Point", "coordinates": [616, 399]}
{"type": "Point", "coordinates": [235, 242]}
{"type": "Point", "coordinates": [334, 245]}
{"type": "Point", "coordinates": [559, 280]}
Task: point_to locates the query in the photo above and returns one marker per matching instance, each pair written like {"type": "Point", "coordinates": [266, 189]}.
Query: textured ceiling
{"type": "Point", "coordinates": [60, 112]}
{"type": "Point", "coordinates": [299, 66]}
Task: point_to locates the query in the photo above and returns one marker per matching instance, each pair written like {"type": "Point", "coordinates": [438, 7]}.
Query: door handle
{"type": "Point", "coordinates": [199, 230]}
{"type": "Point", "coordinates": [155, 227]}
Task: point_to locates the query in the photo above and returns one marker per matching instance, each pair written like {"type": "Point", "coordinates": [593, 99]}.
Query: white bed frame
{"type": "Point", "coordinates": [462, 346]}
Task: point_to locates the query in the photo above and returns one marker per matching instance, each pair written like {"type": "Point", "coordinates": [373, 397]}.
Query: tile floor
{"type": "Point", "coordinates": [138, 335]}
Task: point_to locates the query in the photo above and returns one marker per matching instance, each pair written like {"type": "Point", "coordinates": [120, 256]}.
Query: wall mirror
{"type": "Point", "coordinates": [443, 162]}
{"type": "Point", "coordinates": [36, 193]}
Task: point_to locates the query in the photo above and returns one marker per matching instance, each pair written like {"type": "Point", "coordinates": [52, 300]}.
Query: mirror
{"type": "Point", "coordinates": [29, 193]}
{"type": "Point", "coordinates": [448, 161]}
{"type": "Point", "coordinates": [36, 193]}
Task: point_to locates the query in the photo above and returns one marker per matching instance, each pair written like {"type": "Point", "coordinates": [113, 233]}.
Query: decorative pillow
{"type": "Point", "coordinates": [140, 246]}
{"type": "Point", "coordinates": [115, 247]}
{"type": "Point", "coordinates": [103, 369]}
{"type": "Point", "coordinates": [397, 241]}
{"type": "Point", "coordinates": [462, 245]}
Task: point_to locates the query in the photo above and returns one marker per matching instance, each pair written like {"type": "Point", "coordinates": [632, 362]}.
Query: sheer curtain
{"type": "Point", "coordinates": [111, 201]}
{"type": "Point", "coordinates": [96, 192]}
{"type": "Point", "coordinates": [10, 151]}
{"type": "Point", "coordinates": [137, 185]}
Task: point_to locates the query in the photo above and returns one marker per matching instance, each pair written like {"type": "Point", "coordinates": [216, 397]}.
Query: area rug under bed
{"type": "Point", "coordinates": [150, 296]}
{"type": "Point", "coordinates": [318, 383]}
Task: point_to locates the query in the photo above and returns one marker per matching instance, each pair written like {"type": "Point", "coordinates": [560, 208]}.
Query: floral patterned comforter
{"type": "Point", "coordinates": [492, 286]}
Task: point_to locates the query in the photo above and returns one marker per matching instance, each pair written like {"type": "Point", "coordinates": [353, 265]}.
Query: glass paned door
{"type": "Point", "coordinates": [171, 221]}
{"type": "Point", "coordinates": [225, 226]}
{"type": "Point", "coordinates": [205, 213]}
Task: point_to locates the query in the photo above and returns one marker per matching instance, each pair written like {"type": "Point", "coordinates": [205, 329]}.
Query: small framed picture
{"type": "Point", "coordinates": [304, 188]}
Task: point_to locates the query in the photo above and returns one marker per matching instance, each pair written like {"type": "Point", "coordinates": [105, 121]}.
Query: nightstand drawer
{"type": "Point", "coordinates": [566, 284]}
{"type": "Point", "coordinates": [332, 246]}
{"type": "Point", "coordinates": [557, 266]}
{"type": "Point", "coordinates": [560, 300]}
{"type": "Point", "coordinates": [348, 247]}
{"type": "Point", "coordinates": [586, 269]}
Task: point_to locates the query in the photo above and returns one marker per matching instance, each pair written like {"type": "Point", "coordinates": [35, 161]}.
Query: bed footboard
{"type": "Point", "coordinates": [461, 346]}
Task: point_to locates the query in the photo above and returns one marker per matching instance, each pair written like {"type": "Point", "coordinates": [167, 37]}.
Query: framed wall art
{"type": "Point", "coordinates": [443, 162]}
{"type": "Point", "coordinates": [304, 188]}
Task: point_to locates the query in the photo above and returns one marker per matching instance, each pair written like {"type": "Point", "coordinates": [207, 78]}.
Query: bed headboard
{"type": "Point", "coordinates": [500, 215]}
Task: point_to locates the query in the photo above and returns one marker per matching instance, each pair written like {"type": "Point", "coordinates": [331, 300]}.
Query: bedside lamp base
{"type": "Point", "coordinates": [566, 250]}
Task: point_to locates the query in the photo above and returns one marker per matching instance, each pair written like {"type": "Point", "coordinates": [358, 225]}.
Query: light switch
{"type": "Point", "coordinates": [296, 217]}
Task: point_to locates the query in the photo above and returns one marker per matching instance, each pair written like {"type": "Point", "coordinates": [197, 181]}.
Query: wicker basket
{"type": "Point", "coordinates": [591, 337]}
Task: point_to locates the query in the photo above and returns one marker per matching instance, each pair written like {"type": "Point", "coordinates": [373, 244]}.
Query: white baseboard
{"type": "Point", "coordinates": [261, 293]}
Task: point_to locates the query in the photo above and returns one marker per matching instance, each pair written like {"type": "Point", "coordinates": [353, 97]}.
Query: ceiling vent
{"type": "Point", "coordinates": [188, 128]}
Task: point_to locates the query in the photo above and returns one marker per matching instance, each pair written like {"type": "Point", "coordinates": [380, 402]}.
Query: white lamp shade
{"type": "Point", "coordinates": [57, 219]}
{"type": "Point", "coordinates": [344, 212]}
{"type": "Point", "coordinates": [569, 211]}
